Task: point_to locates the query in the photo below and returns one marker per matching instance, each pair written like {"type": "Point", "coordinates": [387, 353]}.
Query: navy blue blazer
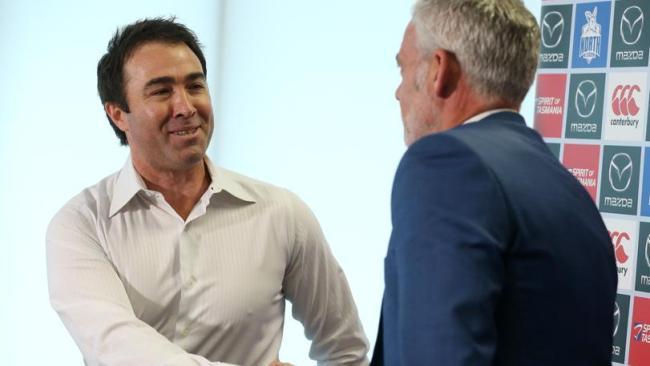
{"type": "Point", "coordinates": [498, 255]}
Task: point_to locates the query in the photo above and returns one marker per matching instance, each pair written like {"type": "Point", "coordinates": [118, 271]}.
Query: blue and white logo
{"type": "Point", "coordinates": [590, 37]}
{"type": "Point", "coordinates": [591, 34]}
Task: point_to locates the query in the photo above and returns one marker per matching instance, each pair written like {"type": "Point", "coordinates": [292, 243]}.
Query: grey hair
{"type": "Point", "coordinates": [495, 41]}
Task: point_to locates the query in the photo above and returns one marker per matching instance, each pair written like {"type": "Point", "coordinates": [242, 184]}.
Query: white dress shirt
{"type": "Point", "coordinates": [488, 113]}
{"type": "Point", "coordinates": [137, 285]}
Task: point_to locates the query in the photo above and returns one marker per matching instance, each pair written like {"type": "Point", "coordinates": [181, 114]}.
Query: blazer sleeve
{"type": "Point", "coordinates": [445, 261]}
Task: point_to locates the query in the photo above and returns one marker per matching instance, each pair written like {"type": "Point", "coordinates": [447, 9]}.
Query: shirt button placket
{"type": "Point", "coordinates": [188, 251]}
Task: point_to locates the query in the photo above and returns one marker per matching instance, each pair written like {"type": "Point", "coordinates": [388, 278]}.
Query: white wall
{"type": "Point", "coordinates": [304, 99]}
{"type": "Point", "coordinates": [55, 141]}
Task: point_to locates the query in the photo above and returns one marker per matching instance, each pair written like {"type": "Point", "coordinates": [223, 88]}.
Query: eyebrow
{"type": "Point", "coordinates": [397, 60]}
{"type": "Point", "coordinates": [169, 80]}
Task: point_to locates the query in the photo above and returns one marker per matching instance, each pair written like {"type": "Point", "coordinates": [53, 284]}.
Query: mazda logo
{"type": "Point", "coordinates": [617, 317]}
{"type": "Point", "coordinates": [620, 172]}
{"type": "Point", "coordinates": [552, 28]}
{"type": "Point", "coordinates": [632, 25]}
{"type": "Point", "coordinates": [585, 100]}
{"type": "Point", "coordinates": [647, 251]}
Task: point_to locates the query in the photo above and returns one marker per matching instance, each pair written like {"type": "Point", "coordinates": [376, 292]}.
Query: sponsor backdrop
{"type": "Point", "coordinates": [591, 106]}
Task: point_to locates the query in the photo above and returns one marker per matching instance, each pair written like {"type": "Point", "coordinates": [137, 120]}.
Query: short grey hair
{"type": "Point", "coordinates": [495, 41]}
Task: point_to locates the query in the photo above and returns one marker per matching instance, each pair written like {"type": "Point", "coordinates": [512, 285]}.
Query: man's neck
{"type": "Point", "coordinates": [469, 104]}
{"type": "Point", "coordinates": [181, 189]}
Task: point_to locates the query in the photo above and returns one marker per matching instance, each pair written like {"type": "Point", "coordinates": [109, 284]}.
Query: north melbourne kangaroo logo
{"type": "Point", "coordinates": [585, 100]}
{"type": "Point", "coordinates": [590, 37]}
{"type": "Point", "coordinates": [552, 28]}
{"type": "Point", "coordinates": [619, 250]}
{"type": "Point", "coordinates": [623, 102]}
{"type": "Point", "coordinates": [632, 25]}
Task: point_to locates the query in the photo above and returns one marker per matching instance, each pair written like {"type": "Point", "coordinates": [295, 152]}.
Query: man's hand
{"type": "Point", "coordinates": [279, 363]}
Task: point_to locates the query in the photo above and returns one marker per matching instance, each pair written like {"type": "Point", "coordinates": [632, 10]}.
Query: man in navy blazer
{"type": "Point", "coordinates": [498, 255]}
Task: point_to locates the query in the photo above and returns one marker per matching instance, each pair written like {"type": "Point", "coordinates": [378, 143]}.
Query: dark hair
{"type": "Point", "coordinates": [110, 69]}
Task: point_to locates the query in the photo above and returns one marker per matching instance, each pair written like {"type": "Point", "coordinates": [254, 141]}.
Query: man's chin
{"type": "Point", "coordinates": [189, 158]}
{"type": "Point", "coordinates": [194, 158]}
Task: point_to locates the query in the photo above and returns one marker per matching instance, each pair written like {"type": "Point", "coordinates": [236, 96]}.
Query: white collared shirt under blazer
{"type": "Point", "coordinates": [137, 285]}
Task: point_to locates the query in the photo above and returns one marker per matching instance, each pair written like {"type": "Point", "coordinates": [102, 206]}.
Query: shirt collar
{"type": "Point", "coordinates": [486, 114]}
{"type": "Point", "coordinates": [222, 179]}
{"type": "Point", "coordinates": [129, 183]}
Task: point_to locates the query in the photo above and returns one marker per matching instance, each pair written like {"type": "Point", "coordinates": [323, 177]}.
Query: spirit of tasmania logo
{"type": "Point", "coordinates": [627, 98]}
{"type": "Point", "coordinates": [624, 236]}
{"type": "Point", "coordinates": [549, 104]}
{"type": "Point", "coordinates": [582, 162]}
{"type": "Point", "coordinates": [640, 333]}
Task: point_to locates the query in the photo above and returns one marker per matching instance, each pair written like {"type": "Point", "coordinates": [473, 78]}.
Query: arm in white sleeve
{"type": "Point", "coordinates": [91, 300]}
{"type": "Point", "coordinates": [320, 296]}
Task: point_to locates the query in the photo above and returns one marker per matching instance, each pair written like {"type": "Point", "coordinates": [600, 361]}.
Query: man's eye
{"type": "Point", "coordinates": [160, 92]}
{"type": "Point", "coordinates": [197, 86]}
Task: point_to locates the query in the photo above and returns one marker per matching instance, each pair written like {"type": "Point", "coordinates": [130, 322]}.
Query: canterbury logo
{"type": "Point", "coordinates": [620, 172]}
{"type": "Point", "coordinates": [623, 102]}
{"type": "Point", "coordinates": [619, 250]}
{"type": "Point", "coordinates": [552, 28]}
{"type": "Point", "coordinates": [585, 100]}
{"type": "Point", "coordinates": [632, 25]}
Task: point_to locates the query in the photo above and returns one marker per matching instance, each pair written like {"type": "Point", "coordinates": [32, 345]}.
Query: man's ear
{"type": "Point", "coordinates": [443, 74]}
{"type": "Point", "coordinates": [117, 114]}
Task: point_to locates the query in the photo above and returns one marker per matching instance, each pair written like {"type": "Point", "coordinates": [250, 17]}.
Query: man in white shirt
{"type": "Point", "coordinates": [174, 261]}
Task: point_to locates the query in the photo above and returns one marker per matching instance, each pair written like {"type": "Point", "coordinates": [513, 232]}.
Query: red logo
{"type": "Point", "coordinates": [549, 104]}
{"type": "Point", "coordinates": [619, 250]}
{"type": "Point", "coordinates": [582, 162]}
{"type": "Point", "coordinates": [639, 340]}
{"type": "Point", "coordinates": [623, 102]}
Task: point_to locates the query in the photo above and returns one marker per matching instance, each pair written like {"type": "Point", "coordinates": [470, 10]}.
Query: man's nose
{"type": "Point", "coordinates": [183, 105]}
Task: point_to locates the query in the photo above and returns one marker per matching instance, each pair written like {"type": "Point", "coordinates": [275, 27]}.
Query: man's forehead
{"type": "Point", "coordinates": [410, 35]}
{"type": "Point", "coordinates": [408, 47]}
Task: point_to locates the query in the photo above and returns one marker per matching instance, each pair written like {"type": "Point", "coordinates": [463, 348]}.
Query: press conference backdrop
{"type": "Point", "coordinates": [303, 93]}
{"type": "Point", "coordinates": [591, 107]}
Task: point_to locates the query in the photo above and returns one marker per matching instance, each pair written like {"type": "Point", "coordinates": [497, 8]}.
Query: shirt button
{"type": "Point", "coordinates": [185, 332]}
{"type": "Point", "coordinates": [190, 282]}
